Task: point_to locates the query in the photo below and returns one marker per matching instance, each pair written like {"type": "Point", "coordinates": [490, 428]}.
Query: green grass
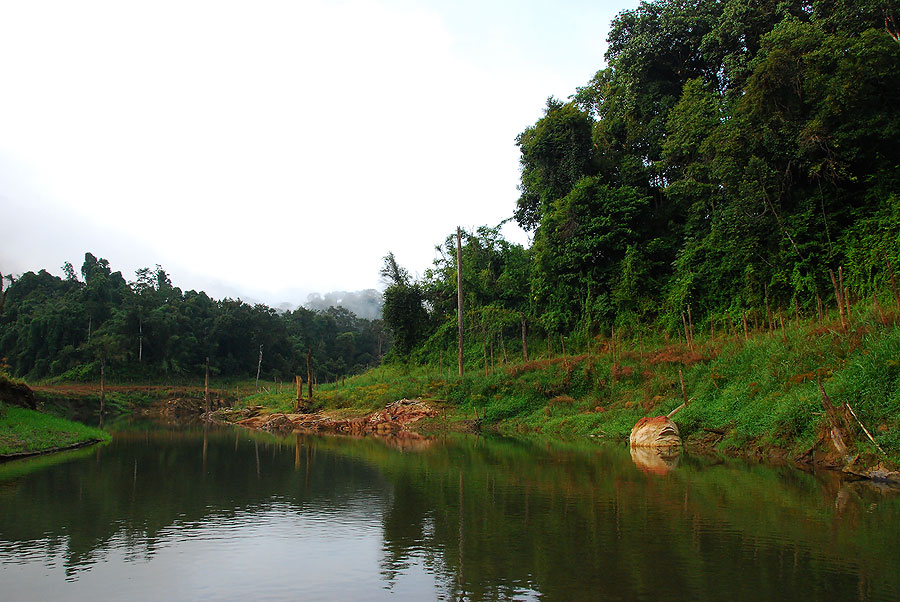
{"type": "Point", "coordinates": [746, 396]}
{"type": "Point", "coordinates": [24, 431]}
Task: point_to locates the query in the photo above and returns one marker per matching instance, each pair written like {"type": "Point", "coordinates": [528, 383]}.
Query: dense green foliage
{"type": "Point", "coordinates": [54, 327]}
{"type": "Point", "coordinates": [728, 157]}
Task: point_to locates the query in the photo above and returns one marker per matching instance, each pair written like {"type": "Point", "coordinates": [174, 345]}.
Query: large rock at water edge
{"type": "Point", "coordinates": [655, 431]}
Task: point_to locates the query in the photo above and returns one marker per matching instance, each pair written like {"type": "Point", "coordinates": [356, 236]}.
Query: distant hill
{"type": "Point", "coordinates": [365, 304]}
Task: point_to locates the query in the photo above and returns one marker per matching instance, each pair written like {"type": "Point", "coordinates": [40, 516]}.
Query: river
{"type": "Point", "coordinates": [228, 514]}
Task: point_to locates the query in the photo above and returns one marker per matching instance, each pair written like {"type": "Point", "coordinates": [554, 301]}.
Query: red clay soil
{"type": "Point", "coordinates": [392, 419]}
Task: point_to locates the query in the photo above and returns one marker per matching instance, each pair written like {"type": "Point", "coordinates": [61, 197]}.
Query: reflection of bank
{"type": "Point", "coordinates": [656, 460]}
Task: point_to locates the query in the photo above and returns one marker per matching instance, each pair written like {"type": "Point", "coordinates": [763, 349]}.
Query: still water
{"type": "Point", "coordinates": [232, 515]}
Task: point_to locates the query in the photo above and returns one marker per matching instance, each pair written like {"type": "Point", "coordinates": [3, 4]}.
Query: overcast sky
{"type": "Point", "coordinates": [271, 149]}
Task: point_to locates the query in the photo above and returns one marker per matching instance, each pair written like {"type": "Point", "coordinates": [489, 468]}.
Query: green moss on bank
{"type": "Point", "coordinates": [27, 431]}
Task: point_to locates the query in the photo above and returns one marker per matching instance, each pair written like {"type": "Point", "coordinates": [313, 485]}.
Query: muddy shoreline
{"type": "Point", "coordinates": [52, 450]}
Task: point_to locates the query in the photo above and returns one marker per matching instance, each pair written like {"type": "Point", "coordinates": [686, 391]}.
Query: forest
{"type": "Point", "coordinates": [729, 159]}
{"type": "Point", "coordinates": [148, 329]}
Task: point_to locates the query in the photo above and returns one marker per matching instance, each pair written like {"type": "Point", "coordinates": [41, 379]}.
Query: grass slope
{"type": "Point", "coordinates": [27, 431]}
{"type": "Point", "coordinates": [746, 396]}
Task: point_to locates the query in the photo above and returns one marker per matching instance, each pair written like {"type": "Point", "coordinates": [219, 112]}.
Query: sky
{"type": "Point", "coordinates": [268, 150]}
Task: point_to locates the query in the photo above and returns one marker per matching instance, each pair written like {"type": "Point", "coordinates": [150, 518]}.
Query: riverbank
{"type": "Point", "coordinates": [755, 396]}
{"type": "Point", "coordinates": [25, 432]}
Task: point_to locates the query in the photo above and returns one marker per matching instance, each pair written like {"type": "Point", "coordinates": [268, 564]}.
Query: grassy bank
{"type": "Point", "coordinates": [24, 431]}
{"type": "Point", "coordinates": [747, 395]}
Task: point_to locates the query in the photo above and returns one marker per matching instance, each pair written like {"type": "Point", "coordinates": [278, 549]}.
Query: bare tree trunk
{"type": "Point", "coordinates": [844, 292]}
{"type": "Point", "coordinates": [258, 366]}
{"type": "Point", "coordinates": [102, 386]}
{"type": "Point", "coordinates": [2, 297]}
{"type": "Point", "coordinates": [840, 300]}
{"type": "Point", "coordinates": [309, 383]}
{"type": "Point", "coordinates": [206, 388]}
{"type": "Point", "coordinates": [768, 311]}
{"type": "Point", "coordinates": [746, 333]}
{"type": "Point", "coordinates": [691, 325]}
{"type": "Point", "coordinates": [687, 332]}
{"type": "Point", "coordinates": [459, 301]}
{"type": "Point", "coordinates": [140, 340]}
{"type": "Point", "coordinates": [524, 340]}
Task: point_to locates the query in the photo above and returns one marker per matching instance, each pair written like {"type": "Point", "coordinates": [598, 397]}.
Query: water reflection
{"type": "Point", "coordinates": [228, 514]}
{"type": "Point", "coordinates": [656, 460]}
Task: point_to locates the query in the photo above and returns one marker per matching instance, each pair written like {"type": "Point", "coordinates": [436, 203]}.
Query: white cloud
{"type": "Point", "coordinates": [268, 146]}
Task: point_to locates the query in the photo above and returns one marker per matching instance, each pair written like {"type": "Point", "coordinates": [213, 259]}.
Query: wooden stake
{"type": "Point", "coordinates": [768, 311]}
{"type": "Point", "coordinates": [820, 309]}
{"type": "Point", "coordinates": [206, 388]}
{"type": "Point", "coordinates": [459, 300]}
{"type": "Point", "coordinates": [865, 430]}
{"type": "Point", "coordinates": [524, 339]}
{"type": "Point", "coordinates": [687, 332]}
{"type": "Point", "coordinates": [746, 333]}
{"type": "Point", "coordinates": [797, 311]}
{"type": "Point", "coordinates": [840, 301]}
{"type": "Point", "coordinates": [258, 366]}
{"type": "Point", "coordinates": [309, 382]}
{"type": "Point", "coordinates": [102, 385]}
{"type": "Point", "coordinates": [781, 319]}
{"type": "Point", "coordinates": [691, 325]}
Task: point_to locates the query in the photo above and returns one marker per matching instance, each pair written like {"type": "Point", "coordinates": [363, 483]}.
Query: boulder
{"type": "Point", "coordinates": [655, 431]}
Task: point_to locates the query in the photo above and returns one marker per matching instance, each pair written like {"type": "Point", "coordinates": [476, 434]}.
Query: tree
{"type": "Point", "coordinates": [555, 153]}
{"type": "Point", "coordinates": [404, 309]}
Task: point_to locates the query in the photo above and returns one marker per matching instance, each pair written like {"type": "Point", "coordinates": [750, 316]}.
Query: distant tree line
{"type": "Point", "coordinates": [729, 157]}
{"type": "Point", "coordinates": [150, 329]}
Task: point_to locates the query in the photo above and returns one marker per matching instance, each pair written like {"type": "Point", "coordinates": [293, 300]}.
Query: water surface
{"type": "Point", "coordinates": [229, 514]}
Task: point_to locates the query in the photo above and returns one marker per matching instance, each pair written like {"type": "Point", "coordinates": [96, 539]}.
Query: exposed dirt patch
{"type": "Point", "coordinates": [18, 394]}
{"type": "Point", "coordinates": [394, 418]}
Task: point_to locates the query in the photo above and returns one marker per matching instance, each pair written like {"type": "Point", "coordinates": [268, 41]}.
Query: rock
{"type": "Point", "coordinates": [655, 431]}
{"type": "Point", "coordinates": [278, 422]}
